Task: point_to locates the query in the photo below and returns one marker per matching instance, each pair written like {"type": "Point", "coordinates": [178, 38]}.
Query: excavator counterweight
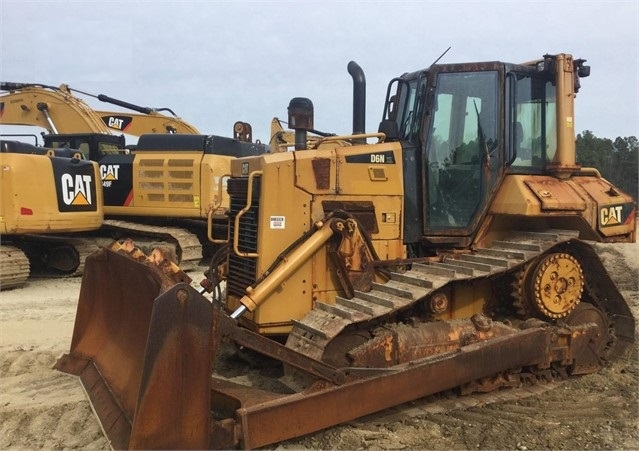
{"type": "Point", "coordinates": [44, 230]}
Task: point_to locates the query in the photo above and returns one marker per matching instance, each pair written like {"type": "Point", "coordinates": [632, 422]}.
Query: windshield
{"type": "Point", "coordinates": [84, 145]}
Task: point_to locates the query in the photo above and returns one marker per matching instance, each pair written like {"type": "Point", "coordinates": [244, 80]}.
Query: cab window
{"type": "Point", "coordinates": [534, 133]}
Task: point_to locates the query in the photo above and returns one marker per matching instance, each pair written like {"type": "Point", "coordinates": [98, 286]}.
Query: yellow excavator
{"type": "Point", "coordinates": [168, 188]}
{"type": "Point", "coordinates": [49, 197]}
{"type": "Point", "coordinates": [450, 249]}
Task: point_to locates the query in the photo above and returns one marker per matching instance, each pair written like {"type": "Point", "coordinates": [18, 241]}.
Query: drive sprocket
{"type": "Point", "coordinates": [551, 287]}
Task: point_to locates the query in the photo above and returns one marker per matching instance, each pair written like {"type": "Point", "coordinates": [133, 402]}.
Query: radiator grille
{"type": "Point", "coordinates": [242, 271]}
{"type": "Point", "coordinates": [171, 179]}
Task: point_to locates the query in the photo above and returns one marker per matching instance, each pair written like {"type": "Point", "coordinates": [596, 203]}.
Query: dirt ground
{"type": "Point", "coordinates": [42, 408]}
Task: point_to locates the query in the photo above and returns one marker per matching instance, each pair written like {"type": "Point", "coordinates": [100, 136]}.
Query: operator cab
{"type": "Point", "coordinates": [93, 146]}
{"type": "Point", "coordinates": [465, 126]}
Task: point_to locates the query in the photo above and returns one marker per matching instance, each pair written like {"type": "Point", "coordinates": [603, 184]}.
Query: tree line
{"type": "Point", "coordinates": [616, 160]}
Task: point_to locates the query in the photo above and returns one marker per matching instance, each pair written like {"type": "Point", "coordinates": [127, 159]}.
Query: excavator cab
{"type": "Point", "coordinates": [94, 146]}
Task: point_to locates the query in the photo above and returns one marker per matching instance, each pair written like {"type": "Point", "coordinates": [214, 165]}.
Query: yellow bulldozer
{"type": "Point", "coordinates": [451, 249]}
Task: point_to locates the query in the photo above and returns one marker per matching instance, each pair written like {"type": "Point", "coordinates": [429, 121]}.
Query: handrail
{"type": "Point", "coordinates": [593, 171]}
{"type": "Point", "coordinates": [212, 210]}
{"type": "Point", "coordinates": [380, 138]}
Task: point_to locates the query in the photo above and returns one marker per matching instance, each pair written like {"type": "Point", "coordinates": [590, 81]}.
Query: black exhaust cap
{"type": "Point", "coordinates": [300, 119]}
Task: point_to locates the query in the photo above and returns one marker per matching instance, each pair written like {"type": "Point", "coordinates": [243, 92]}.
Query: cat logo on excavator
{"type": "Point", "coordinates": [76, 189]}
{"type": "Point", "coordinates": [75, 185]}
{"type": "Point", "coordinates": [120, 123]}
{"type": "Point", "coordinates": [109, 172]}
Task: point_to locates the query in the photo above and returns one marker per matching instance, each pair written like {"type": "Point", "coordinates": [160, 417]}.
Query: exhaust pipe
{"type": "Point", "coordinates": [359, 99]}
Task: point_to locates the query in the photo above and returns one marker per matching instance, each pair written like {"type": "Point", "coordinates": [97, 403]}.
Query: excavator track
{"type": "Point", "coordinates": [84, 247]}
{"type": "Point", "coordinates": [312, 334]}
{"type": "Point", "coordinates": [61, 256]}
{"type": "Point", "coordinates": [48, 256]}
{"type": "Point", "coordinates": [188, 248]}
{"type": "Point", "coordinates": [14, 267]}
{"type": "Point", "coordinates": [43, 256]}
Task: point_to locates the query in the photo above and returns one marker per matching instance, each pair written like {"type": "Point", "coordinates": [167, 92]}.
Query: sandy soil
{"type": "Point", "coordinates": [42, 408]}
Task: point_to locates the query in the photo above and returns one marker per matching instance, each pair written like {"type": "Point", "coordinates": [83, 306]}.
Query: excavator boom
{"type": "Point", "coordinates": [48, 107]}
{"type": "Point", "coordinates": [139, 124]}
{"type": "Point", "coordinates": [58, 110]}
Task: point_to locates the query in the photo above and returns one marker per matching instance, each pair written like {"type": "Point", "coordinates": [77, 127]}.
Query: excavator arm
{"type": "Point", "coordinates": [54, 109]}
{"type": "Point", "coordinates": [59, 111]}
{"type": "Point", "coordinates": [137, 124]}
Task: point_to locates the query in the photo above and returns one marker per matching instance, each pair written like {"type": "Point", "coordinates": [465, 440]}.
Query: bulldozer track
{"type": "Point", "coordinates": [314, 332]}
{"type": "Point", "coordinates": [188, 243]}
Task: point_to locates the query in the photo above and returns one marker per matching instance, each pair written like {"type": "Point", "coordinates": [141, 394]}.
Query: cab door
{"type": "Point", "coordinates": [463, 151]}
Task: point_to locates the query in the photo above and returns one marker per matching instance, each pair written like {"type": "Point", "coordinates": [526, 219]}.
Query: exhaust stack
{"type": "Point", "coordinates": [359, 99]}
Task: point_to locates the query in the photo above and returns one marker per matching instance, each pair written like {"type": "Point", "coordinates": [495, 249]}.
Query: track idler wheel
{"type": "Point", "coordinates": [63, 258]}
{"type": "Point", "coordinates": [590, 358]}
{"type": "Point", "coordinates": [551, 287]}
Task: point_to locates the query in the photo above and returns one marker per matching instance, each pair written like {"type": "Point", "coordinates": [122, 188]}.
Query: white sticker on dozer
{"type": "Point", "coordinates": [278, 222]}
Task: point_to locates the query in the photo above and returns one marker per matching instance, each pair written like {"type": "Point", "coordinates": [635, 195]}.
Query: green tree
{"type": "Point", "coordinates": [625, 169]}
{"type": "Point", "coordinates": [616, 160]}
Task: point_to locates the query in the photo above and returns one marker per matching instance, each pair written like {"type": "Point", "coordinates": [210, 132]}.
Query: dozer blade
{"type": "Point", "coordinates": [145, 349]}
{"type": "Point", "coordinates": [111, 338]}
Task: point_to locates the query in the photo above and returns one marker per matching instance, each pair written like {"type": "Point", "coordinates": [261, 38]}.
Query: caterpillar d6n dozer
{"type": "Point", "coordinates": [451, 252]}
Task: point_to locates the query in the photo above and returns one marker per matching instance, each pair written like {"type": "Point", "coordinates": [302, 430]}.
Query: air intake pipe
{"type": "Point", "coordinates": [300, 119]}
{"type": "Point", "coordinates": [359, 99]}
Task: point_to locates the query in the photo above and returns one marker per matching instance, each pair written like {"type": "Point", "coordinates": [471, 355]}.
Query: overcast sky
{"type": "Point", "coordinates": [214, 63]}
